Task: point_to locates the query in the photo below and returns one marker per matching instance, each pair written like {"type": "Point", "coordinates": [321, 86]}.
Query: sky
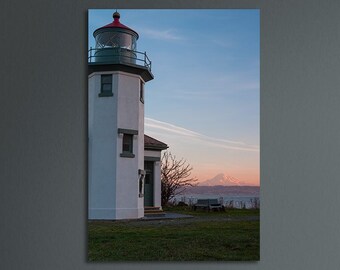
{"type": "Point", "coordinates": [204, 99]}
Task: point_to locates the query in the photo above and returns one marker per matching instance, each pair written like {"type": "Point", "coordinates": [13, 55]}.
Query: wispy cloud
{"type": "Point", "coordinates": [163, 127]}
{"type": "Point", "coordinates": [166, 35]}
{"type": "Point", "coordinates": [152, 123]}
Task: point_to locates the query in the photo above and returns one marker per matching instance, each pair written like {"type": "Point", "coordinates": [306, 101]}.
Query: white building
{"type": "Point", "coordinates": [124, 164]}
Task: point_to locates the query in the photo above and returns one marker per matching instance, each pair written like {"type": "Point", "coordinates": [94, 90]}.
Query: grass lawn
{"type": "Point", "coordinates": [209, 236]}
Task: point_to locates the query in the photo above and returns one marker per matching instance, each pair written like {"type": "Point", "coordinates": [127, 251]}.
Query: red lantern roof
{"type": "Point", "coordinates": [116, 24]}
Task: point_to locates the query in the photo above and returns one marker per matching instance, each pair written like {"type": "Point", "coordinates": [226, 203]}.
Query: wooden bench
{"type": "Point", "coordinates": [208, 204]}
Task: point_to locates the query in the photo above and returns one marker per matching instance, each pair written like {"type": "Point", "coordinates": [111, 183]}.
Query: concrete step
{"type": "Point", "coordinates": [151, 208]}
{"type": "Point", "coordinates": [151, 211]}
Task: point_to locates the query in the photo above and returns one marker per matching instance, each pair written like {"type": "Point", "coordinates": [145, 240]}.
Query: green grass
{"type": "Point", "coordinates": [234, 212]}
{"type": "Point", "coordinates": [195, 239]}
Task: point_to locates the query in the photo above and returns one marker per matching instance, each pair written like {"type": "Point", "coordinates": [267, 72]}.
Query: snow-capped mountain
{"type": "Point", "coordinates": [222, 180]}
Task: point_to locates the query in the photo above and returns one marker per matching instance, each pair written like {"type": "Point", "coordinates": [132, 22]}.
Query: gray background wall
{"type": "Point", "coordinates": [43, 134]}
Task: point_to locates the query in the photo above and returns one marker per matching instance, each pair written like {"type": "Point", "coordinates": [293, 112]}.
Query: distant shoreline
{"type": "Point", "coordinates": [237, 190]}
{"type": "Point", "coordinates": [238, 196]}
{"type": "Point", "coordinates": [229, 186]}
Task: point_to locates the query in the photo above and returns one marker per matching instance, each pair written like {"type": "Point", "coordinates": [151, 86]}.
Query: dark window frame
{"type": "Point", "coordinates": [127, 142]}
{"type": "Point", "coordinates": [105, 81]}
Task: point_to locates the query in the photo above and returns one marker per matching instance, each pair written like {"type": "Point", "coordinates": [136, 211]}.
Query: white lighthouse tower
{"type": "Point", "coordinates": [116, 77]}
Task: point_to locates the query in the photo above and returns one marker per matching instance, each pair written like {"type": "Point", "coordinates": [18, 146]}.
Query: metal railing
{"type": "Point", "coordinates": [118, 56]}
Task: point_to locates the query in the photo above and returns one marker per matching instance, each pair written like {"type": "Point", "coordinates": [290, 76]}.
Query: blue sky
{"type": "Point", "coordinates": [204, 99]}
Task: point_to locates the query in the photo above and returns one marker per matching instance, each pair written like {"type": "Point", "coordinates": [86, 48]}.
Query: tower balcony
{"type": "Point", "coordinates": [116, 58]}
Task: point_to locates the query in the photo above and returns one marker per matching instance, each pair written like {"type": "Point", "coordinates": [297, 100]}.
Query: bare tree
{"type": "Point", "coordinates": [175, 176]}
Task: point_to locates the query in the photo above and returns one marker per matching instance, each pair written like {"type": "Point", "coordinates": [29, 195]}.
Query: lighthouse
{"type": "Point", "coordinates": [117, 74]}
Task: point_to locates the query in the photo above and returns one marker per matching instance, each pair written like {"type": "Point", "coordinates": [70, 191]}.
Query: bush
{"type": "Point", "coordinates": [229, 204]}
{"type": "Point", "coordinates": [182, 204]}
{"type": "Point", "coordinates": [255, 203]}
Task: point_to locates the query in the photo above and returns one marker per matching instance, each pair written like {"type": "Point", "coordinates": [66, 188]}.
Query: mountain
{"type": "Point", "coordinates": [222, 180]}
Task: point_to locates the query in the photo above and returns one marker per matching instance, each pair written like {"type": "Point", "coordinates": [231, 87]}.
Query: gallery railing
{"type": "Point", "coordinates": [118, 56]}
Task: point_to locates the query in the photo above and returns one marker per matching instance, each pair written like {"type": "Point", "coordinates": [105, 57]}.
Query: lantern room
{"type": "Point", "coordinates": [115, 43]}
{"type": "Point", "coordinates": [116, 35]}
{"type": "Point", "coordinates": [116, 49]}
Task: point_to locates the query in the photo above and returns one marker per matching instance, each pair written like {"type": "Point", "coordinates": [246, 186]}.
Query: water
{"type": "Point", "coordinates": [235, 201]}
{"type": "Point", "coordinates": [229, 196]}
{"type": "Point", "coordinates": [227, 201]}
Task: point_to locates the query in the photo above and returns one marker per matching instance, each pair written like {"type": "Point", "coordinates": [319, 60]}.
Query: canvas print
{"type": "Point", "coordinates": [173, 135]}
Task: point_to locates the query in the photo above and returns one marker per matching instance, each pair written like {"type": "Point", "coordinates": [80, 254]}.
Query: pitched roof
{"type": "Point", "coordinates": [116, 24]}
{"type": "Point", "coordinates": [153, 144]}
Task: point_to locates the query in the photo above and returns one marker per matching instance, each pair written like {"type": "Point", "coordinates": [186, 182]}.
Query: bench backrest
{"type": "Point", "coordinates": [207, 201]}
{"type": "Point", "coordinates": [203, 201]}
{"type": "Point", "coordinates": [213, 201]}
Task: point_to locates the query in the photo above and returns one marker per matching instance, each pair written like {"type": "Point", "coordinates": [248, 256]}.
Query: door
{"type": "Point", "coordinates": [148, 183]}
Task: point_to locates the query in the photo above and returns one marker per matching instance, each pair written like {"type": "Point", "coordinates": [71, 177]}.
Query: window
{"type": "Point", "coordinates": [106, 86]}
{"type": "Point", "coordinates": [127, 142]}
{"type": "Point", "coordinates": [141, 91]}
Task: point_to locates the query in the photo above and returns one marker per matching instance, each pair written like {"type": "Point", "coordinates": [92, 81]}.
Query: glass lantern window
{"type": "Point", "coordinates": [112, 39]}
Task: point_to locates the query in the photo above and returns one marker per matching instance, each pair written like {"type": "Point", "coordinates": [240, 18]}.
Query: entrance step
{"type": "Point", "coordinates": [151, 211]}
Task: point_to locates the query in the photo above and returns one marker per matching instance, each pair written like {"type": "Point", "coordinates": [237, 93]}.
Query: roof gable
{"type": "Point", "coordinates": [153, 144]}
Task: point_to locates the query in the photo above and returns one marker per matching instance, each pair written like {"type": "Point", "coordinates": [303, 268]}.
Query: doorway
{"type": "Point", "coordinates": [148, 183]}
